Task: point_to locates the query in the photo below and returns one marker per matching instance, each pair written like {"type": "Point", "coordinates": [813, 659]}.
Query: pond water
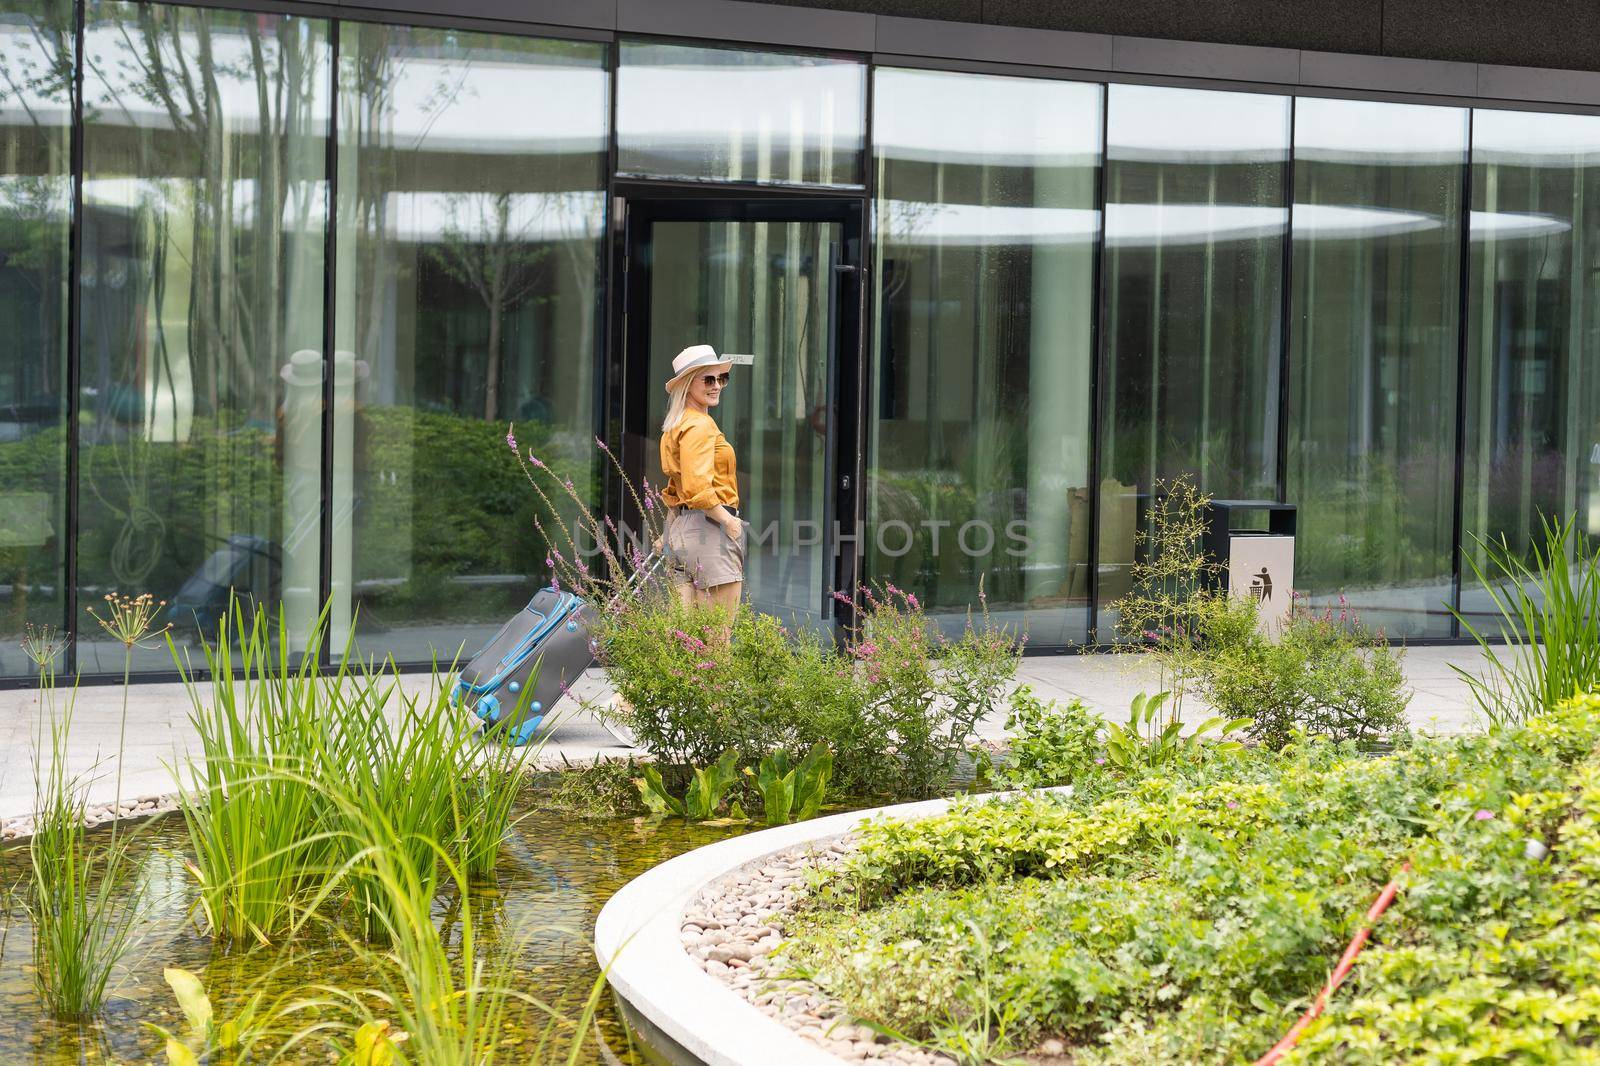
{"type": "Point", "coordinates": [554, 875]}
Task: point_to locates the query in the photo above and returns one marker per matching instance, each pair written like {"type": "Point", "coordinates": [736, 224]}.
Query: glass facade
{"type": "Point", "coordinates": [1374, 357]}
{"type": "Point", "coordinates": [466, 298]}
{"type": "Point", "coordinates": [1196, 222]}
{"type": "Point", "coordinates": [978, 410]}
{"type": "Point", "coordinates": [200, 301]}
{"type": "Point", "coordinates": [724, 114]}
{"type": "Point", "coordinates": [36, 53]}
{"type": "Point", "coordinates": [273, 288]}
{"type": "Point", "coordinates": [1532, 397]}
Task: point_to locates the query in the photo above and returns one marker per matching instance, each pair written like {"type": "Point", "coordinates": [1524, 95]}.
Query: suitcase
{"type": "Point", "coordinates": [519, 675]}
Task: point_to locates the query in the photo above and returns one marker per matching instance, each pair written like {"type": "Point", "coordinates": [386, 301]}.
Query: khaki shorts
{"type": "Point", "coordinates": [698, 551]}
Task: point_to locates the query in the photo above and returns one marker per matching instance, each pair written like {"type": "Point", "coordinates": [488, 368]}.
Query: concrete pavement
{"type": "Point", "coordinates": [159, 734]}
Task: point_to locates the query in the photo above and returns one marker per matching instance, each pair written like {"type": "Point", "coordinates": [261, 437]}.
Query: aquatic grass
{"type": "Point", "coordinates": [255, 819]}
{"type": "Point", "coordinates": [429, 1004]}
{"type": "Point", "coordinates": [85, 900]}
{"type": "Point", "coordinates": [1544, 643]}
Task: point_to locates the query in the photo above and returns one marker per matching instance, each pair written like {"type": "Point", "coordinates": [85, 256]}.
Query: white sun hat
{"type": "Point", "coordinates": [694, 358]}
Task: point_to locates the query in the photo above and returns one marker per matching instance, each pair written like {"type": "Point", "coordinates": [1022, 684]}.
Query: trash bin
{"type": "Point", "coordinates": [1253, 540]}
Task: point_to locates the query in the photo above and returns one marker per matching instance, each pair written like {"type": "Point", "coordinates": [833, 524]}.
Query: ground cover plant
{"type": "Point", "coordinates": [1187, 915]}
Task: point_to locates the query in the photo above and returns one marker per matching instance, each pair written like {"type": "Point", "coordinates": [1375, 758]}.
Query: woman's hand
{"type": "Point", "coordinates": [732, 527]}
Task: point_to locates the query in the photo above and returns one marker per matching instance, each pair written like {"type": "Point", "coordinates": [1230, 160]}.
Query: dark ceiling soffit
{"type": "Point", "coordinates": [738, 20]}
{"type": "Point", "coordinates": [963, 45]}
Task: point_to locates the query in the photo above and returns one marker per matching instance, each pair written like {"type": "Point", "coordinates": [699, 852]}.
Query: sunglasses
{"type": "Point", "coordinates": [714, 379]}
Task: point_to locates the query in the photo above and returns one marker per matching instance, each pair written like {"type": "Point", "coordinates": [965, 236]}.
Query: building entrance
{"type": "Point", "coordinates": [775, 284]}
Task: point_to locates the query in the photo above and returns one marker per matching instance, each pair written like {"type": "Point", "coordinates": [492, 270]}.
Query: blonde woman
{"type": "Point", "coordinates": [705, 538]}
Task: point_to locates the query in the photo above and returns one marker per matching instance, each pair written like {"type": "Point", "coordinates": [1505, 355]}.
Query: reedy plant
{"type": "Point", "coordinates": [1543, 646]}
{"type": "Point", "coordinates": [257, 824]}
{"type": "Point", "coordinates": [85, 900]}
{"type": "Point", "coordinates": [128, 620]}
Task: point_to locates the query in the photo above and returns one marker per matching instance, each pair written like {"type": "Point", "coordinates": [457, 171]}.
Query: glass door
{"type": "Point", "coordinates": [776, 284]}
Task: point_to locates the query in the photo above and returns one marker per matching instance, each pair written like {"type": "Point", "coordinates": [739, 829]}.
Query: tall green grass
{"type": "Point", "coordinates": [255, 818]}
{"type": "Point", "coordinates": [85, 898]}
{"type": "Point", "coordinates": [429, 1004]}
{"type": "Point", "coordinates": [278, 739]}
{"type": "Point", "coordinates": [1543, 645]}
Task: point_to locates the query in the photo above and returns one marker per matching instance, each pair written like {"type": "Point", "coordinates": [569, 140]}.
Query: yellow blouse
{"type": "Point", "coordinates": [699, 464]}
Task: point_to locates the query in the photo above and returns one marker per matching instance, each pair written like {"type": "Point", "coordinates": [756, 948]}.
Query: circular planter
{"type": "Point", "coordinates": [685, 1014]}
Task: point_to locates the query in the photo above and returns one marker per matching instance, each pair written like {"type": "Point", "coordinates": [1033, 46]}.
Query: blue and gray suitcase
{"type": "Point", "coordinates": [519, 675]}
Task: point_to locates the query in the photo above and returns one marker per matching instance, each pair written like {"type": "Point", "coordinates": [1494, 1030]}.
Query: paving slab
{"type": "Point", "coordinates": [159, 735]}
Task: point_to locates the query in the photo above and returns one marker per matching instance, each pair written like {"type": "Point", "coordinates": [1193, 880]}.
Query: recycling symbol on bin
{"type": "Point", "coordinates": [1261, 585]}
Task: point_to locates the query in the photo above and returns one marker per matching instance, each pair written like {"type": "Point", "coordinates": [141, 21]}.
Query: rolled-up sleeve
{"type": "Point", "coordinates": [697, 465]}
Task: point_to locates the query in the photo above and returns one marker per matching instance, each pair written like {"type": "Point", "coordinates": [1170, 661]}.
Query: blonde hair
{"type": "Point", "coordinates": [676, 405]}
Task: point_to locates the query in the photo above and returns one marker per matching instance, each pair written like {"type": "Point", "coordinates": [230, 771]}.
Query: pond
{"type": "Point", "coordinates": [554, 875]}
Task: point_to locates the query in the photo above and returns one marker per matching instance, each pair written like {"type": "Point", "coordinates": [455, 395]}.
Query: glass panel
{"type": "Point", "coordinates": [1533, 330]}
{"type": "Point", "coordinates": [36, 38]}
{"type": "Point", "coordinates": [201, 324]}
{"type": "Point", "coordinates": [468, 262]}
{"type": "Point", "coordinates": [1372, 419]}
{"type": "Point", "coordinates": [1195, 225]}
{"type": "Point", "coordinates": [760, 289]}
{"type": "Point", "coordinates": [979, 403]}
{"type": "Point", "coordinates": [722, 114]}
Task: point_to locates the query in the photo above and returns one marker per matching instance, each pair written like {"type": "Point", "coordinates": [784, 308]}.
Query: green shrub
{"type": "Point", "coordinates": [896, 707]}
{"type": "Point", "coordinates": [1321, 674]}
{"type": "Point", "coordinates": [1183, 920]}
{"type": "Point", "coordinates": [703, 798]}
{"type": "Point", "coordinates": [1051, 743]}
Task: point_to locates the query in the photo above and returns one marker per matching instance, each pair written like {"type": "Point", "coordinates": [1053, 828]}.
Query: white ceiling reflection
{"type": "Point", "coordinates": [1171, 225]}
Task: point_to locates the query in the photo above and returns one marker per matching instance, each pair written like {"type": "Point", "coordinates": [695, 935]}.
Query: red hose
{"type": "Point", "coordinates": [1335, 979]}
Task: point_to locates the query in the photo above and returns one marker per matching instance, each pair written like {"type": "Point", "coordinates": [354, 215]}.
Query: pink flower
{"type": "Point", "coordinates": [598, 443]}
{"type": "Point", "coordinates": [649, 504]}
{"type": "Point", "coordinates": [1232, 806]}
{"type": "Point", "coordinates": [534, 459]}
{"type": "Point", "coordinates": [1100, 761]}
{"type": "Point", "coordinates": [705, 665]}
{"type": "Point", "coordinates": [912, 600]}
{"type": "Point", "coordinates": [1482, 815]}
{"type": "Point", "coordinates": [551, 563]}
{"type": "Point", "coordinates": [511, 438]}
{"type": "Point", "coordinates": [842, 598]}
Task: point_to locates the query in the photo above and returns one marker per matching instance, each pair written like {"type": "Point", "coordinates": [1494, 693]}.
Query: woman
{"type": "Point", "coordinates": [705, 537]}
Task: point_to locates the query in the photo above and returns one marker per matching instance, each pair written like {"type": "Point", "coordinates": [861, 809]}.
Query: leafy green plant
{"type": "Point", "coordinates": [1151, 738]}
{"type": "Point", "coordinates": [602, 789]}
{"type": "Point", "coordinates": [703, 798]}
{"type": "Point", "coordinates": [1188, 916]}
{"type": "Point", "coordinates": [793, 793]}
{"type": "Point", "coordinates": [1050, 743]}
{"type": "Point", "coordinates": [1544, 643]}
{"type": "Point", "coordinates": [235, 1036]}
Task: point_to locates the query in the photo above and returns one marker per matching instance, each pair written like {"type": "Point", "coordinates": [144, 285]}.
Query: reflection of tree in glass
{"type": "Point", "coordinates": [485, 247]}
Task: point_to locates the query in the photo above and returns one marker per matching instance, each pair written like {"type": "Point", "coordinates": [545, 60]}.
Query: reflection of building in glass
{"type": "Point", "coordinates": [264, 342]}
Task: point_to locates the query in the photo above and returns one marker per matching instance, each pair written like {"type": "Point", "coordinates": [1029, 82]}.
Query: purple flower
{"type": "Point", "coordinates": [598, 443]}
{"type": "Point", "coordinates": [1232, 806]}
{"type": "Point", "coordinates": [567, 482]}
{"type": "Point", "coordinates": [890, 586]}
{"type": "Point", "coordinates": [1101, 761]}
{"type": "Point", "coordinates": [912, 600]}
{"type": "Point", "coordinates": [511, 437]}
{"type": "Point", "coordinates": [842, 598]}
{"type": "Point", "coordinates": [534, 459]}
{"type": "Point", "coordinates": [551, 563]}
{"type": "Point", "coordinates": [705, 665]}
{"type": "Point", "coordinates": [555, 583]}
{"type": "Point", "coordinates": [610, 524]}
{"type": "Point", "coordinates": [1482, 815]}
{"type": "Point", "coordinates": [649, 504]}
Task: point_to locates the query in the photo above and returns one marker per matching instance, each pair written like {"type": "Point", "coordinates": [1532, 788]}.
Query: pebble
{"type": "Point", "coordinates": [95, 814]}
{"type": "Point", "coordinates": [731, 929]}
